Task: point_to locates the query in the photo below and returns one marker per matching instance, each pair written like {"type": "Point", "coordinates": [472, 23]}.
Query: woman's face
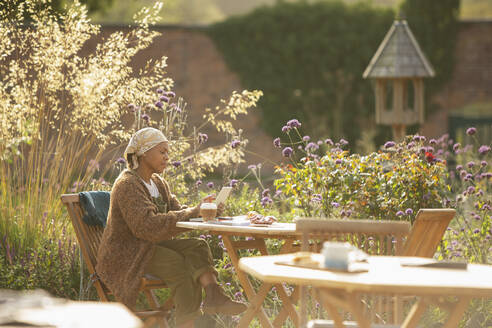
{"type": "Point", "coordinates": [156, 158]}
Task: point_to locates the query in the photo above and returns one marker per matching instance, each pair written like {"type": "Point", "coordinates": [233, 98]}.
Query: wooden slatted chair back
{"type": "Point", "coordinates": [89, 238]}
{"type": "Point", "coordinates": [373, 237]}
{"type": "Point", "coordinates": [427, 232]}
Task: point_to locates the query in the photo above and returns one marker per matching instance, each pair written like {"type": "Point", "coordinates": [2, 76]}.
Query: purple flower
{"type": "Point", "coordinates": [120, 160]}
{"type": "Point", "coordinates": [459, 167]}
{"type": "Point", "coordinates": [251, 167]}
{"type": "Point", "coordinates": [170, 94]}
{"type": "Point", "coordinates": [159, 91]}
{"type": "Point", "coordinates": [265, 192]}
{"type": "Point", "coordinates": [471, 131]}
{"type": "Point", "coordinates": [265, 201]}
{"type": "Point", "coordinates": [233, 182]}
{"type": "Point", "coordinates": [468, 177]}
{"type": "Point", "coordinates": [311, 146]}
{"type": "Point", "coordinates": [159, 104]}
{"type": "Point", "coordinates": [210, 184]}
{"type": "Point", "coordinates": [146, 118]}
{"type": "Point", "coordinates": [329, 142]}
{"type": "Point", "coordinates": [476, 231]}
{"type": "Point", "coordinates": [287, 151]}
{"type": "Point", "coordinates": [410, 145]}
{"type": "Point", "coordinates": [484, 149]}
{"type": "Point", "coordinates": [235, 143]}
{"type": "Point", "coordinates": [176, 163]}
{"type": "Point", "coordinates": [343, 142]}
{"type": "Point", "coordinates": [202, 138]}
{"type": "Point", "coordinates": [470, 164]}
{"type": "Point", "coordinates": [338, 161]}
{"type": "Point", "coordinates": [276, 142]}
{"type": "Point", "coordinates": [483, 163]}
{"type": "Point", "coordinates": [335, 204]}
{"type": "Point", "coordinates": [198, 183]}
{"type": "Point", "coordinates": [399, 213]}
{"type": "Point", "coordinates": [389, 144]}
{"type": "Point", "coordinates": [131, 107]}
{"type": "Point", "coordinates": [317, 198]}
{"type": "Point", "coordinates": [416, 138]}
{"type": "Point", "coordinates": [433, 142]}
{"type": "Point", "coordinates": [408, 211]}
{"type": "Point", "coordinates": [293, 124]}
{"type": "Point", "coordinates": [238, 295]}
{"type": "Point", "coordinates": [164, 99]}
{"type": "Point", "coordinates": [285, 129]}
{"type": "Point", "coordinates": [456, 146]}
{"type": "Point", "coordinates": [470, 189]}
{"type": "Point", "coordinates": [306, 138]}
{"type": "Point", "coordinates": [422, 138]}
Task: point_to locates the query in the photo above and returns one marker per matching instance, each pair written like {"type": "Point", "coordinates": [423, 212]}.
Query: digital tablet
{"type": "Point", "coordinates": [223, 194]}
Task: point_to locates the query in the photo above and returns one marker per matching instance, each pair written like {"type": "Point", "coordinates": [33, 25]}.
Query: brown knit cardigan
{"type": "Point", "coordinates": [133, 228]}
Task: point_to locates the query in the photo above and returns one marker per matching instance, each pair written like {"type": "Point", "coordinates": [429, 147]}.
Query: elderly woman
{"type": "Point", "coordinates": [140, 237]}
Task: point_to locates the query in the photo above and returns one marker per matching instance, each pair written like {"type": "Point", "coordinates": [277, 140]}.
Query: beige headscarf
{"type": "Point", "coordinates": [142, 141]}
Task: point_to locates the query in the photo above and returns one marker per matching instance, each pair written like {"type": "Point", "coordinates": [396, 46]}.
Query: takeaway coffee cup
{"type": "Point", "coordinates": [208, 211]}
{"type": "Point", "coordinates": [336, 254]}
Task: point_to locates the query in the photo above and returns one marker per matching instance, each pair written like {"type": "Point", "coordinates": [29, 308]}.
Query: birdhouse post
{"type": "Point", "coordinates": [398, 68]}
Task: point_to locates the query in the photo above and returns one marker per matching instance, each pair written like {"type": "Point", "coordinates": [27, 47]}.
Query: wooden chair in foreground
{"type": "Point", "coordinates": [375, 238]}
{"type": "Point", "coordinates": [89, 238]}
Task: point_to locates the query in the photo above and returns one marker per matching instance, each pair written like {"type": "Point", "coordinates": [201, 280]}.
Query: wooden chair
{"type": "Point", "coordinates": [376, 238]}
{"type": "Point", "coordinates": [89, 238]}
{"type": "Point", "coordinates": [427, 232]}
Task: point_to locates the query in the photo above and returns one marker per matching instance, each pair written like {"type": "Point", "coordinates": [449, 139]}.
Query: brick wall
{"type": "Point", "coordinates": [202, 79]}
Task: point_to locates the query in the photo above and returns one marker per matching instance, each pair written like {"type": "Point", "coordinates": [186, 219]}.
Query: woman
{"type": "Point", "coordinates": [140, 237]}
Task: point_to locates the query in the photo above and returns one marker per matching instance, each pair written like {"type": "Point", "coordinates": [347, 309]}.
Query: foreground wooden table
{"type": "Point", "coordinates": [281, 231]}
{"type": "Point", "coordinates": [385, 275]}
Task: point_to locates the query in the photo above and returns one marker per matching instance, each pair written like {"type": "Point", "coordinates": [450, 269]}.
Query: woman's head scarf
{"type": "Point", "coordinates": [142, 141]}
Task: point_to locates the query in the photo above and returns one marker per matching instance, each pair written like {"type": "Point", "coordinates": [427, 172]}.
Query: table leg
{"type": "Point", "coordinates": [288, 308]}
{"type": "Point", "coordinates": [248, 288]}
{"type": "Point", "coordinates": [456, 312]}
{"type": "Point", "coordinates": [347, 301]}
{"type": "Point", "coordinates": [415, 314]}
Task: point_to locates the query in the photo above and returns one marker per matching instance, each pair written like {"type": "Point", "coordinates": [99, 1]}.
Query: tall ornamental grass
{"type": "Point", "coordinates": [61, 130]}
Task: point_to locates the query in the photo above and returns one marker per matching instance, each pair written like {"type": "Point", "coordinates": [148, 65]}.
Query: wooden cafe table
{"type": "Point", "coordinates": [258, 234]}
{"type": "Point", "coordinates": [386, 274]}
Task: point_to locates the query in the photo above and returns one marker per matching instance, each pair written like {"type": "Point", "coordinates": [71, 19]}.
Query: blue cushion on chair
{"type": "Point", "coordinates": [96, 207]}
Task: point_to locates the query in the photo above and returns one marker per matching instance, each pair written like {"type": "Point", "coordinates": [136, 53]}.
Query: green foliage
{"type": "Point", "coordinates": [392, 184]}
{"type": "Point", "coordinates": [308, 59]}
{"type": "Point", "coordinates": [14, 7]}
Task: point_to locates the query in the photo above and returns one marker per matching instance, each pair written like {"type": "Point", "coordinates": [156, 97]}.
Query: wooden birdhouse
{"type": "Point", "coordinates": [398, 68]}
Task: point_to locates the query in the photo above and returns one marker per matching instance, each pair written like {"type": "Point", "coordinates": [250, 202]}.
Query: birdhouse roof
{"type": "Point", "coordinates": [399, 55]}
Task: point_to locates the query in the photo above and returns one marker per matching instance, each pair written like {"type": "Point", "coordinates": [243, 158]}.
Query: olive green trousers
{"type": "Point", "coordinates": [180, 263]}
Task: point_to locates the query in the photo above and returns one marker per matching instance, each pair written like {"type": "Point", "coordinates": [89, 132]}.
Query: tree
{"type": "Point", "coordinates": [13, 7]}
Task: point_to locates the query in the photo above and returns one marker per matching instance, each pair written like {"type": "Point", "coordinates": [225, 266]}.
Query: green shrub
{"type": "Point", "coordinates": [391, 184]}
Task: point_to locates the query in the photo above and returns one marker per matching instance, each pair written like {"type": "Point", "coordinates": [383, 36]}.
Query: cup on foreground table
{"type": "Point", "coordinates": [336, 254]}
